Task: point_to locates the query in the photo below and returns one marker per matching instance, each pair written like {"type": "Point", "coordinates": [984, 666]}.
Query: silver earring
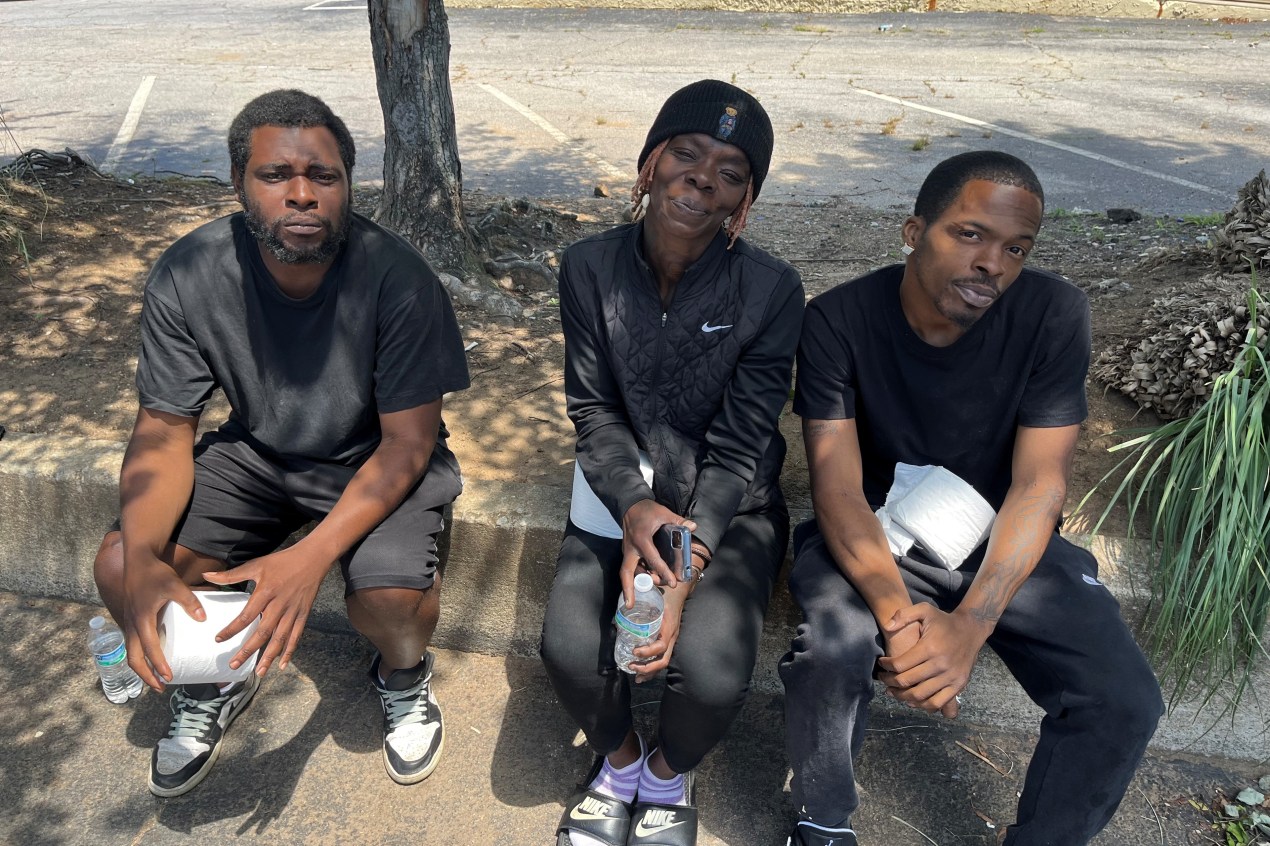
{"type": "Point", "coordinates": [907, 249]}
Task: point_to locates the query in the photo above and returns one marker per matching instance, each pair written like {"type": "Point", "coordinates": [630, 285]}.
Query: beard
{"type": "Point", "coordinates": [269, 233]}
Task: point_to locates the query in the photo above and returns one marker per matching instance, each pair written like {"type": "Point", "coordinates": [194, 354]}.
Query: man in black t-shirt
{"type": "Point", "coordinates": [964, 359]}
{"type": "Point", "coordinates": [334, 343]}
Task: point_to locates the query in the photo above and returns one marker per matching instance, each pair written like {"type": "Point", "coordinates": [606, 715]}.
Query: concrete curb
{"type": "Point", "coordinates": [58, 495]}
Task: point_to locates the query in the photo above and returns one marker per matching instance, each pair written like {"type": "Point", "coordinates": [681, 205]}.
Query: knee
{"type": "Point", "coordinates": [563, 646]}
{"type": "Point", "coordinates": [713, 686]}
{"type": "Point", "coordinates": [392, 606]}
{"type": "Point", "coordinates": [108, 565]}
{"type": "Point", "coordinates": [831, 654]}
{"type": "Point", "coordinates": [549, 647]}
{"type": "Point", "coordinates": [1127, 697]}
{"type": "Point", "coordinates": [1137, 704]}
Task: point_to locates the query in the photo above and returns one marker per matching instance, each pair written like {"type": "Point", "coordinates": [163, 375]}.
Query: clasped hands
{"type": "Point", "coordinates": [929, 656]}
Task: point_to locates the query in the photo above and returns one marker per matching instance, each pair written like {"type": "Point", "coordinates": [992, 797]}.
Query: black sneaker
{"type": "Point", "coordinates": [200, 716]}
{"type": "Point", "coordinates": [413, 732]}
{"type": "Point", "coordinates": [810, 834]}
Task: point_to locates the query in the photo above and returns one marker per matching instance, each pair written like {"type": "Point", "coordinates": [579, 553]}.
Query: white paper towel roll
{"type": "Point", "coordinates": [190, 647]}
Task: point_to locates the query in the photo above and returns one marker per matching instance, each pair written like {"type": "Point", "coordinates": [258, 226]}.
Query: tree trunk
{"type": "Point", "coordinates": [422, 199]}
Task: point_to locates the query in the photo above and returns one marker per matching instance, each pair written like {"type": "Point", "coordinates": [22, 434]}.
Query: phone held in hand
{"type": "Point", "coordinates": [675, 545]}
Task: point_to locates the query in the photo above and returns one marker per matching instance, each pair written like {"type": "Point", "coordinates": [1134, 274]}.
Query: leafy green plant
{"type": "Point", "coordinates": [1242, 821]}
{"type": "Point", "coordinates": [1203, 483]}
{"type": "Point", "coordinates": [1215, 219]}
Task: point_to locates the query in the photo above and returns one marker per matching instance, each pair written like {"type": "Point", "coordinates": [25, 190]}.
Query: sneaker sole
{"type": "Point", "coordinates": [197, 778]}
{"type": "Point", "coordinates": [415, 778]}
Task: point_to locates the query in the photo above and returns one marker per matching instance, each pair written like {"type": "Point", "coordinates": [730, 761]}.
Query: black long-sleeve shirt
{"type": "Point", "coordinates": [698, 386]}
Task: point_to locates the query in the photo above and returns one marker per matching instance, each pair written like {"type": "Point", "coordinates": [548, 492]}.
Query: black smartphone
{"type": "Point", "coordinates": [675, 545]}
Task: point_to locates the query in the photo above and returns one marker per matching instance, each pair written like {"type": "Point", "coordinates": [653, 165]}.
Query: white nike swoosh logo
{"type": "Point", "coordinates": [640, 831]}
{"type": "Point", "coordinates": [579, 814]}
{"type": "Point", "coordinates": [706, 327]}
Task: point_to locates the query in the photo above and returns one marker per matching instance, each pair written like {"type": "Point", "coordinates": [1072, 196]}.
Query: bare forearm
{"type": "Point", "coordinates": [858, 545]}
{"type": "Point", "coordinates": [154, 487]}
{"type": "Point", "coordinates": [374, 492]}
{"type": "Point", "coordinates": [851, 530]}
{"type": "Point", "coordinates": [1019, 537]}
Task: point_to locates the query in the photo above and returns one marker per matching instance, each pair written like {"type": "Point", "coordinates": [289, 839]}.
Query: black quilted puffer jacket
{"type": "Point", "coordinates": [699, 386]}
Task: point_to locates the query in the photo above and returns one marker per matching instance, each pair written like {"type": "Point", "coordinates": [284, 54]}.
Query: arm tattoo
{"type": "Point", "coordinates": [816, 428]}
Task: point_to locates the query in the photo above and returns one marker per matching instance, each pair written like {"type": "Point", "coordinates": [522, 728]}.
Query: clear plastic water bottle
{"type": "Point", "coordinates": [637, 626]}
{"type": "Point", "coordinates": [105, 642]}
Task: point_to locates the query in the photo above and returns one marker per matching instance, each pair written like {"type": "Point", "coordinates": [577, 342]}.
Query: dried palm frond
{"type": "Point", "coordinates": [1243, 242]}
{"type": "Point", "coordinates": [1190, 336]}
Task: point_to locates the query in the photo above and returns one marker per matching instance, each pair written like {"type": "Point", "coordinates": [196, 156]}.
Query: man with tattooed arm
{"type": "Point", "coordinates": [964, 359]}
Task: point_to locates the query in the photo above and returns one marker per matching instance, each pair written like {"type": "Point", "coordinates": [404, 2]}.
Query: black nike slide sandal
{"type": "Point", "coordinates": [654, 824]}
{"type": "Point", "coordinates": [602, 817]}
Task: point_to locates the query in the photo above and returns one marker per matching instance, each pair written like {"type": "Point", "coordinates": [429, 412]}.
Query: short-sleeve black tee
{"type": "Point", "coordinates": [305, 378]}
{"type": "Point", "coordinates": [1022, 364]}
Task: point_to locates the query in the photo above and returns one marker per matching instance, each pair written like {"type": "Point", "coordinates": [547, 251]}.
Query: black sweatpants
{"type": "Point", "coordinates": [710, 669]}
{"type": "Point", "coordinates": [1061, 636]}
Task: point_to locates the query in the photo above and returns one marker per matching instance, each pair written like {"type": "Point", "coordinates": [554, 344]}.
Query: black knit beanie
{"type": "Point", "coordinates": [721, 111]}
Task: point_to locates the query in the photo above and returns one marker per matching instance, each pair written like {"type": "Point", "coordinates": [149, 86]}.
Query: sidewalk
{"type": "Point", "coordinates": [302, 765]}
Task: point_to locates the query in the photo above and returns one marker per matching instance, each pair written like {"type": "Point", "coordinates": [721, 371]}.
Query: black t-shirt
{"type": "Point", "coordinates": [305, 378]}
{"type": "Point", "coordinates": [1022, 364]}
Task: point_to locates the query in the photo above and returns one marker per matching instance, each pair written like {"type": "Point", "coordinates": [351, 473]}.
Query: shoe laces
{"type": "Point", "coordinates": [404, 707]}
{"type": "Point", "coordinates": [192, 717]}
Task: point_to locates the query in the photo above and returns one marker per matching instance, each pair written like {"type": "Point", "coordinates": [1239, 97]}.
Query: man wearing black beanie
{"type": "Point", "coordinates": [679, 344]}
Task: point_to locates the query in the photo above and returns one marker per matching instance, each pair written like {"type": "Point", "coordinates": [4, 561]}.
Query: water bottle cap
{"type": "Point", "coordinates": [643, 583]}
{"type": "Point", "coordinates": [97, 623]}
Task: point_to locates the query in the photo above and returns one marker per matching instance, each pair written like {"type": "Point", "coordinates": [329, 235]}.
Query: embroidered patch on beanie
{"type": "Point", "coordinates": [727, 124]}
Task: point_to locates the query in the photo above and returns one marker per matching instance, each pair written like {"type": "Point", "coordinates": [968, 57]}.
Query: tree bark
{"type": "Point", "coordinates": [423, 184]}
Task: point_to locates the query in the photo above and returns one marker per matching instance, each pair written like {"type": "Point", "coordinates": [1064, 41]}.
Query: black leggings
{"type": "Point", "coordinates": [709, 672]}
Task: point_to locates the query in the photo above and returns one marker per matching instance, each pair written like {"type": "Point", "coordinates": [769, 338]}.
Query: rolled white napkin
{"type": "Point", "coordinates": [934, 508]}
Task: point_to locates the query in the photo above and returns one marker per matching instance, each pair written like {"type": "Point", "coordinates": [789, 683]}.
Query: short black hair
{"type": "Point", "coordinates": [944, 183]}
{"type": "Point", "coordinates": [286, 107]}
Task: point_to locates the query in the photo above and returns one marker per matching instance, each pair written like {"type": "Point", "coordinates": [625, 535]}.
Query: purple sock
{"type": "Point", "coordinates": [667, 792]}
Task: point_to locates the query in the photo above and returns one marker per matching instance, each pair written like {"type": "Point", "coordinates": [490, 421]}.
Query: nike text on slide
{"type": "Point", "coordinates": [591, 808]}
{"type": "Point", "coordinates": [655, 822]}
{"type": "Point", "coordinates": [706, 327]}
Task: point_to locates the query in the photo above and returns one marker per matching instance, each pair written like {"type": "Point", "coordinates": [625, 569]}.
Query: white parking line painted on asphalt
{"type": "Point", "coordinates": [334, 6]}
{"type": "Point", "coordinates": [1067, 148]}
{"type": "Point", "coordinates": [129, 127]}
{"type": "Point", "coordinates": [610, 172]}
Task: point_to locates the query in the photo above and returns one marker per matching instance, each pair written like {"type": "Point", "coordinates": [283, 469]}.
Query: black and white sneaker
{"type": "Point", "coordinates": [809, 834]}
{"type": "Point", "coordinates": [200, 716]}
{"type": "Point", "coordinates": [413, 732]}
